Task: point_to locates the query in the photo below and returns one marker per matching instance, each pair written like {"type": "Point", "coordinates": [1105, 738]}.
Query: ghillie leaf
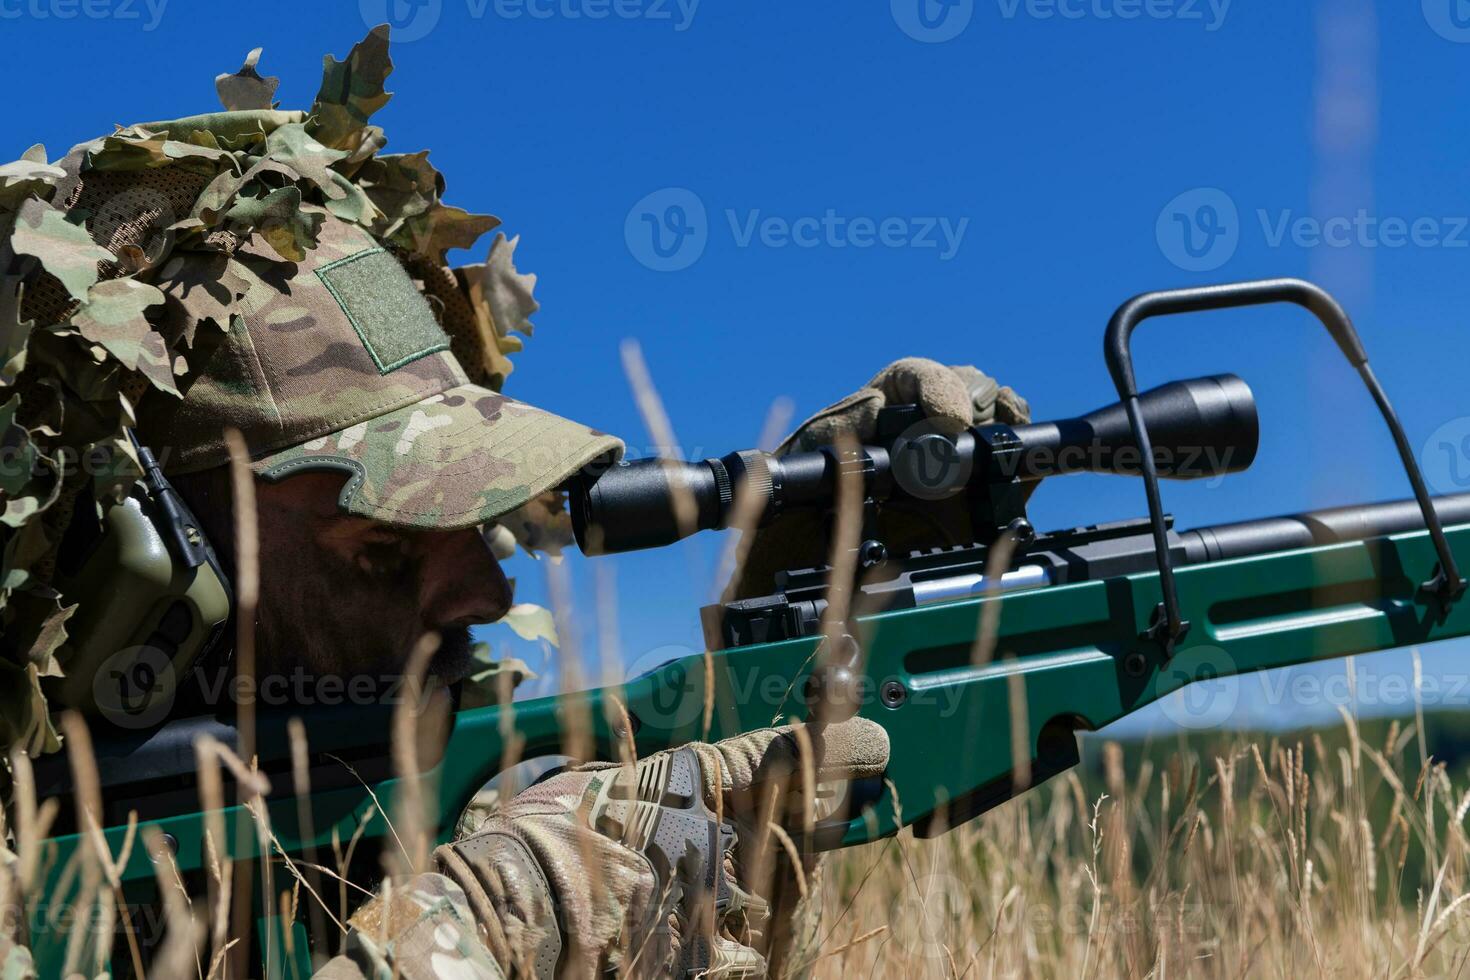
{"type": "Point", "coordinates": [13, 330]}
{"type": "Point", "coordinates": [531, 622]}
{"type": "Point", "coordinates": [495, 679]}
{"type": "Point", "coordinates": [39, 631]}
{"type": "Point", "coordinates": [294, 147]}
{"type": "Point", "coordinates": [246, 89]}
{"type": "Point", "coordinates": [351, 92]}
{"type": "Point", "coordinates": [279, 219]}
{"type": "Point", "coordinates": [22, 550]}
{"type": "Point", "coordinates": [502, 301]}
{"type": "Point", "coordinates": [19, 457]}
{"type": "Point", "coordinates": [64, 249]}
{"type": "Point", "coordinates": [199, 289]}
{"type": "Point", "coordinates": [113, 317]}
{"type": "Point", "coordinates": [31, 174]}
{"type": "Point", "coordinates": [24, 722]}
{"type": "Point", "coordinates": [221, 192]}
{"type": "Point", "coordinates": [406, 189]}
{"type": "Point", "coordinates": [543, 524]}
{"type": "Point", "coordinates": [441, 228]}
{"type": "Point", "coordinates": [518, 669]}
{"type": "Point", "coordinates": [402, 186]}
{"type": "Point", "coordinates": [506, 291]}
{"type": "Point", "coordinates": [139, 148]}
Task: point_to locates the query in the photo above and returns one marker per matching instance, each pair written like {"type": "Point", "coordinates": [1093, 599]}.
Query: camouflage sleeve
{"type": "Point", "coordinates": [417, 929]}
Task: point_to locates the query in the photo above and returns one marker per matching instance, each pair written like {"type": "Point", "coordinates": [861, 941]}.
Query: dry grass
{"type": "Point", "coordinates": [1328, 856]}
{"type": "Point", "coordinates": [1264, 860]}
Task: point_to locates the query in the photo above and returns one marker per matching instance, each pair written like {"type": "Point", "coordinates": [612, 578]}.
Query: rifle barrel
{"type": "Point", "coordinates": [1322, 527]}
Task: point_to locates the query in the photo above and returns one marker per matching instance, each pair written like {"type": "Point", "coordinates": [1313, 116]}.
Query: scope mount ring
{"type": "Point", "coordinates": [1169, 626]}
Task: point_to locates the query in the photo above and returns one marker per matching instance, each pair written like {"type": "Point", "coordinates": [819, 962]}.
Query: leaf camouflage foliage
{"type": "Point", "coordinates": [86, 332]}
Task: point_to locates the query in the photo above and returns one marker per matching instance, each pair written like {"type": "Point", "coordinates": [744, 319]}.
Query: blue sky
{"type": "Point", "coordinates": [979, 181]}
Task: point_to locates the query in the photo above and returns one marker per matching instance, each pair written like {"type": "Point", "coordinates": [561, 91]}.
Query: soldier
{"type": "Point", "coordinates": [291, 283]}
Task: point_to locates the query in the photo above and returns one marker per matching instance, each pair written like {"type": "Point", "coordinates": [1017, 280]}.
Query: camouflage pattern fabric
{"type": "Point", "coordinates": [561, 882]}
{"type": "Point", "coordinates": [422, 929]}
{"type": "Point", "coordinates": [336, 362]}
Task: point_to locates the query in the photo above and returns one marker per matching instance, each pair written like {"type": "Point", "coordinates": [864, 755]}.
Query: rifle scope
{"type": "Point", "coordinates": [1201, 428]}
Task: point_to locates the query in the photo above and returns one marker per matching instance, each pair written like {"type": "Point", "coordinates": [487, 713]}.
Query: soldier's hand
{"type": "Point", "coordinates": [957, 397]}
{"type": "Point", "coordinates": [646, 868]}
{"type": "Point", "coordinates": [961, 396]}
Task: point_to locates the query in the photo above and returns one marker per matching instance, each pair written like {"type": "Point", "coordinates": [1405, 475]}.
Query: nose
{"type": "Point", "coordinates": [461, 583]}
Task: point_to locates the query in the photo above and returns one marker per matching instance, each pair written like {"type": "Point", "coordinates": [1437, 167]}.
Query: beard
{"type": "Point", "coordinates": [328, 617]}
{"type": "Point", "coordinates": [319, 614]}
{"type": "Point", "coordinates": [455, 659]}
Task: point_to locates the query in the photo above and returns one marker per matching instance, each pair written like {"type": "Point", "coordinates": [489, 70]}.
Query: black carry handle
{"type": "Point", "coordinates": [1169, 626]}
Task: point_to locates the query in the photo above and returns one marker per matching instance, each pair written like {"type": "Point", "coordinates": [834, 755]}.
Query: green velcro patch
{"type": "Point", "coordinates": [393, 320]}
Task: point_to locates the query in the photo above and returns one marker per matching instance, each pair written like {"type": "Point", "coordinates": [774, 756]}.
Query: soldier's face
{"type": "Point", "coordinates": [350, 596]}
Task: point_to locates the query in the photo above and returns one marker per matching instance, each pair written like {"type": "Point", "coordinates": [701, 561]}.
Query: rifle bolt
{"type": "Point", "coordinates": [893, 694]}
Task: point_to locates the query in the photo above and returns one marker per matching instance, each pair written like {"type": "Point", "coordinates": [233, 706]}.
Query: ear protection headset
{"type": "Point", "coordinates": [152, 600]}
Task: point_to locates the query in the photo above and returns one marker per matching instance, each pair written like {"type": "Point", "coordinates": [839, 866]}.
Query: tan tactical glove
{"type": "Point", "coordinates": [959, 396]}
{"type": "Point", "coordinates": [642, 869]}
